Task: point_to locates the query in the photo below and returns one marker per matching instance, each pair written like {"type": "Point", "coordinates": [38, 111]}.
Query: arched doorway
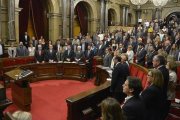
{"type": "Point", "coordinates": [33, 18]}
{"type": "Point", "coordinates": [174, 15]}
{"type": "Point", "coordinates": [82, 15]}
{"type": "Point", "coordinates": [129, 19]}
{"type": "Point", "coordinates": [111, 17]}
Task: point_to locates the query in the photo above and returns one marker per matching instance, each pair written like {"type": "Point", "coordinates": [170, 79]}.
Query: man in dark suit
{"type": "Point", "coordinates": [89, 55]}
{"type": "Point", "coordinates": [126, 66]}
{"type": "Point", "coordinates": [118, 79]}
{"type": "Point", "coordinates": [21, 50]}
{"type": "Point", "coordinates": [74, 46]}
{"type": "Point", "coordinates": [84, 45]}
{"type": "Point", "coordinates": [159, 63]}
{"type": "Point", "coordinates": [124, 42]}
{"type": "Point", "coordinates": [39, 55]}
{"type": "Point", "coordinates": [40, 43]}
{"type": "Point", "coordinates": [1, 49]}
{"type": "Point", "coordinates": [150, 56]}
{"type": "Point", "coordinates": [177, 41]}
{"type": "Point", "coordinates": [132, 43]}
{"type": "Point", "coordinates": [141, 54]}
{"type": "Point", "coordinates": [79, 55]}
{"type": "Point", "coordinates": [50, 54]}
{"type": "Point", "coordinates": [177, 56]}
{"type": "Point", "coordinates": [57, 45]}
{"type": "Point", "coordinates": [167, 47]}
{"type": "Point", "coordinates": [101, 49]}
{"type": "Point", "coordinates": [80, 36]}
{"type": "Point", "coordinates": [107, 58]}
{"type": "Point", "coordinates": [121, 49]}
{"type": "Point", "coordinates": [25, 40]}
{"type": "Point", "coordinates": [134, 107]}
{"type": "Point", "coordinates": [69, 54]}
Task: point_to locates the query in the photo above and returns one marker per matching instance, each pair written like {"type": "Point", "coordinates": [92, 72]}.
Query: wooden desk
{"type": "Point", "coordinates": [52, 71]}
{"type": "Point", "coordinates": [21, 91]}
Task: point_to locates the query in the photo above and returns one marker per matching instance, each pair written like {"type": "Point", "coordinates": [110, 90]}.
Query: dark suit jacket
{"type": "Point", "coordinates": [107, 60]}
{"type": "Point", "coordinates": [72, 48]}
{"type": "Point", "coordinates": [167, 49]}
{"type": "Point", "coordinates": [101, 51]}
{"type": "Point", "coordinates": [50, 56]}
{"type": "Point", "coordinates": [39, 58]}
{"type": "Point", "coordinates": [165, 73]}
{"type": "Point", "coordinates": [118, 78]}
{"type": "Point", "coordinates": [90, 57]}
{"type": "Point", "coordinates": [158, 47]}
{"type": "Point", "coordinates": [126, 69]}
{"type": "Point", "coordinates": [134, 108]}
{"type": "Point", "coordinates": [140, 57]}
{"type": "Point", "coordinates": [177, 55]}
{"type": "Point", "coordinates": [150, 59]}
{"type": "Point", "coordinates": [56, 47]}
{"type": "Point", "coordinates": [24, 40]}
{"type": "Point", "coordinates": [70, 56]}
{"type": "Point", "coordinates": [177, 42]}
{"type": "Point", "coordinates": [86, 46]}
{"type": "Point", "coordinates": [152, 96]}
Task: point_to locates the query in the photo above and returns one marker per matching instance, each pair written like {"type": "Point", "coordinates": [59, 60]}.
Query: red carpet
{"type": "Point", "coordinates": [48, 98]}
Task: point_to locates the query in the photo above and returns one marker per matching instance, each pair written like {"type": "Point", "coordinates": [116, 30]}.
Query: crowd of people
{"type": "Point", "coordinates": [153, 43]}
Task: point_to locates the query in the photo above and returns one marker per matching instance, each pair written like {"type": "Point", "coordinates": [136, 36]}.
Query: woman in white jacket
{"type": "Point", "coordinates": [130, 54]}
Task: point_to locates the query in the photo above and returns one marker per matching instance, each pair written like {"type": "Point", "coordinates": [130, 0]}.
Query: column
{"type": "Point", "coordinates": [138, 14]}
{"type": "Point", "coordinates": [102, 16]}
{"type": "Point", "coordinates": [153, 14]}
{"type": "Point", "coordinates": [127, 16]}
{"type": "Point", "coordinates": [64, 17]}
{"type": "Point", "coordinates": [123, 15]}
{"type": "Point", "coordinates": [71, 21]}
{"type": "Point", "coordinates": [159, 12]}
{"type": "Point", "coordinates": [0, 22]}
{"type": "Point", "coordinates": [11, 21]}
{"type": "Point", "coordinates": [106, 14]}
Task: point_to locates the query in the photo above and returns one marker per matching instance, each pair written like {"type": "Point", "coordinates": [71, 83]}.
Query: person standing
{"type": "Point", "coordinates": [26, 40]}
{"type": "Point", "coordinates": [51, 54]}
{"type": "Point", "coordinates": [69, 54]}
{"type": "Point", "coordinates": [21, 50]}
{"type": "Point", "coordinates": [60, 54]}
{"type": "Point", "coordinates": [118, 79]}
{"type": "Point", "coordinates": [31, 49]}
{"type": "Point", "coordinates": [107, 58]}
{"type": "Point", "coordinates": [1, 49]}
{"type": "Point", "coordinates": [39, 55]}
{"type": "Point", "coordinates": [12, 50]}
{"type": "Point", "coordinates": [150, 56]}
{"type": "Point", "coordinates": [141, 54]}
{"type": "Point", "coordinates": [89, 55]}
{"type": "Point", "coordinates": [79, 55]}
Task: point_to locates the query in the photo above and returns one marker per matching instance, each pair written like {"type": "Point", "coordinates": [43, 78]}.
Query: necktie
{"type": "Point", "coordinates": [68, 52]}
{"type": "Point", "coordinates": [39, 53]}
{"type": "Point", "coordinates": [88, 53]}
{"type": "Point", "coordinates": [22, 52]}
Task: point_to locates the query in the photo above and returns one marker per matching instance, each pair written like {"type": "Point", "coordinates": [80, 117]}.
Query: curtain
{"type": "Point", "coordinates": [37, 16]}
{"type": "Point", "coordinates": [24, 17]}
{"type": "Point", "coordinates": [80, 15]}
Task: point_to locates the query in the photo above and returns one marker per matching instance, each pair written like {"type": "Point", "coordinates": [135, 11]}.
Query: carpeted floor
{"type": "Point", "coordinates": [48, 98]}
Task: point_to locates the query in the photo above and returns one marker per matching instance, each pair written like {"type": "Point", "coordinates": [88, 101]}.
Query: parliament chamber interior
{"type": "Point", "coordinates": [89, 60]}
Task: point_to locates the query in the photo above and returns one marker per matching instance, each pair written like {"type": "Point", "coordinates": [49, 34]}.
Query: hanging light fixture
{"type": "Point", "coordinates": [138, 2]}
{"type": "Point", "coordinates": [160, 3]}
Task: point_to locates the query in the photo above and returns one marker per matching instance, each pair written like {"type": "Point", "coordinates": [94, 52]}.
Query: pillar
{"type": "Point", "coordinates": [11, 21]}
{"type": "Point", "coordinates": [64, 17]}
{"type": "Point", "coordinates": [127, 8]}
{"type": "Point", "coordinates": [159, 12]}
{"type": "Point", "coordinates": [123, 15]}
{"type": "Point", "coordinates": [102, 16]}
{"type": "Point", "coordinates": [0, 22]}
{"type": "Point", "coordinates": [153, 14]}
{"type": "Point", "coordinates": [106, 14]}
{"type": "Point", "coordinates": [71, 21]}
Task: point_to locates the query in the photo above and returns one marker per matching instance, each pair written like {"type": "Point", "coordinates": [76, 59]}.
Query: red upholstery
{"type": "Point", "coordinates": [20, 61]}
{"type": "Point", "coordinates": [134, 71]}
{"type": "Point", "coordinates": [130, 68]}
{"type": "Point", "coordinates": [7, 63]}
{"type": "Point", "coordinates": [140, 74]}
{"type": "Point", "coordinates": [94, 65]}
{"type": "Point", "coordinates": [144, 80]}
{"type": "Point", "coordinates": [30, 59]}
{"type": "Point", "coordinates": [178, 74]}
{"type": "Point", "coordinates": [5, 54]}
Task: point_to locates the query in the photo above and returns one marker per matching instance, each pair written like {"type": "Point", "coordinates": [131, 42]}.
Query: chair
{"type": "Point", "coordinates": [140, 74]}
{"type": "Point", "coordinates": [8, 116]}
{"type": "Point", "coordinates": [134, 71]}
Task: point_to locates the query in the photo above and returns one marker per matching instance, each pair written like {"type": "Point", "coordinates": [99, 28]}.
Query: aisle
{"type": "Point", "coordinates": [48, 98]}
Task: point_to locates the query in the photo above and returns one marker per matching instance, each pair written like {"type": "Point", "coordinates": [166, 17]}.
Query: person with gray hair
{"type": "Point", "coordinates": [167, 46]}
{"type": "Point", "coordinates": [107, 58]}
{"type": "Point", "coordinates": [21, 115]}
{"type": "Point", "coordinates": [159, 63]}
{"type": "Point", "coordinates": [12, 50]}
{"type": "Point", "coordinates": [79, 55]}
{"type": "Point", "coordinates": [39, 55]}
{"type": "Point", "coordinates": [21, 50]}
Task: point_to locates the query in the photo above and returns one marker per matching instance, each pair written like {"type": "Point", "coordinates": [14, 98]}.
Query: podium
{"type": "Point", "coordinates": [21, 91]}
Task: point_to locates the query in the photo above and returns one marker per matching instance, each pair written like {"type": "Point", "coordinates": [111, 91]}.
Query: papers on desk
{"type": "Point", "coordinates": [177, 100]}
{"type": "Point", "coordinates": [108, 79]}
{"type": "Point", "coordinates": [105, 68]}
{"type": "Point", "coordinates": [60, 61]}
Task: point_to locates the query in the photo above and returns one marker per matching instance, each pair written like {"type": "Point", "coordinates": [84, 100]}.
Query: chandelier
{"type": "Point", "coordinates": [159, 3]}
{"type": "Point", "coordinates": [138, 2]}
